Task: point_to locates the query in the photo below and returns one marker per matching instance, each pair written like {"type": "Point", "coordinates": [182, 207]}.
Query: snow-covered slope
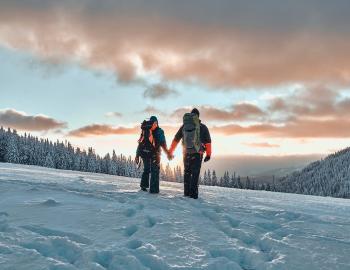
{"type": "Point", "coordinates": [327, 177]}
{"type": "Point", "coordinates": [51, 219]}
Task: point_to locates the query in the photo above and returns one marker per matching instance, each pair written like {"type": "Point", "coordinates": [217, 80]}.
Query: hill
{"type": "Point", "coordinates": [66, 220]}
{"type": "Point", "coordinates": [327, 177]}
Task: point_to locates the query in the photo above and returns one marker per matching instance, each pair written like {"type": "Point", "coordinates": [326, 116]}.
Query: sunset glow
{"type": "Point", "coordinates": [269, 81]}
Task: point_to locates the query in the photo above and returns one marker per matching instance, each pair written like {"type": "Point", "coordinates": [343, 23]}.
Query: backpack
{"type": "Point", "coordinates": [191, 133]}
{"type": "Point", "coordinates": [146, 142]}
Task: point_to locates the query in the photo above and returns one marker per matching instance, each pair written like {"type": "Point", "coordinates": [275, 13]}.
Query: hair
{"type": "Point", "coordinates": [195, 110]}
{"type": "Point", "coordinates": [153, 119]}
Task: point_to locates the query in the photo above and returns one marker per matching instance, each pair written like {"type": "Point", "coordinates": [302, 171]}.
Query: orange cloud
{"type": "Point", "coordinates": [262, 145]}
{"type": "Point", "coordinates": [238, 112]}
{"type": "Point", "coordinates": [297, 128]}
{"type": "Point", "coordinates": [105, 130]}
{"type": "Point", "coordinates": [228, 44]}
{"type": "Point", "coordinates": [22, 121]}
{"type": "Point", "coordinates": [102, 130]}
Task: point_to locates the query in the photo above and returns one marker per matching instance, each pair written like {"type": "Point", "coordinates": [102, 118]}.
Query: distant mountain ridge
{"type": "Point", "coordinates": [327, 177]}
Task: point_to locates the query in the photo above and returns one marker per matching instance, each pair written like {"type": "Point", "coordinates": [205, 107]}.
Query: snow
{"type": "Point", "coordinates": [54, 219]}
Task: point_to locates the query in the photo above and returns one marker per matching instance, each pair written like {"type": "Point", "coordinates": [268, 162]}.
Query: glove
{"type": "Point", "coordinates": [207, 158]}
{"type": "Point", "coordinates": [137, 160]}
{"type": "Point", "coordinates": [170, 155]}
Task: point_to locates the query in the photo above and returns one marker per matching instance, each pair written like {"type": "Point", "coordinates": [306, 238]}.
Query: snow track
{"type": "Point", "coordinates": [52, 219]}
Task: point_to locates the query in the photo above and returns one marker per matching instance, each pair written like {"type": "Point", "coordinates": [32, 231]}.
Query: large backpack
{"type": "Point", "coordinates": [191, 133]}
{"type": "Point", "coordinates": [146, 142]}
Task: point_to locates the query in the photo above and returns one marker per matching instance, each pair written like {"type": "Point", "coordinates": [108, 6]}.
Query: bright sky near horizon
{"type": "Point", "coordinates": [269, 78]}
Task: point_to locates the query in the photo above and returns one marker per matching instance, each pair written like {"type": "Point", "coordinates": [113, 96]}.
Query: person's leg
{"type": "Point", "coordinates": [196, 163]}
{"type": "Point", "coordinates": [187, 174]}
{"type": "Point", "coordinates": [145, 175]}
{"type": "Point", "coordinates": [155, 168]}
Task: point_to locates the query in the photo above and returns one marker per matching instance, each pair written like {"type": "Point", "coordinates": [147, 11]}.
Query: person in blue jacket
{"type": "Point", "coordinates": [151, 141]}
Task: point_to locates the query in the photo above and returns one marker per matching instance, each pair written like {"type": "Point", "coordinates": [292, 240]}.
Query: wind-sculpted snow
{"type": "Point", "coordinates": [51, 219]}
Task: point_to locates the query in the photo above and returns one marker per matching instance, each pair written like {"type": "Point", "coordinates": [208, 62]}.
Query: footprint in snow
{"type": "Point", "coordinates": [4, 214]}
{"type": "Point", "coordinates": [233, 222]}
{"type": "Point", "coordinates": [131, 230]}
{"type": "Point", "coordinates": [130, 212]}
{"type": "Point", "coordinates": [134, 244]}
{"type": "Point", "coordinates": [140, 206]}
{"type": "Point", "coordinates": [150, 222]}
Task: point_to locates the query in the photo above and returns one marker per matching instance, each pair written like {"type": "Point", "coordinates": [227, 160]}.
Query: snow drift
{"type": "Point", "coordinates": [52, 219]}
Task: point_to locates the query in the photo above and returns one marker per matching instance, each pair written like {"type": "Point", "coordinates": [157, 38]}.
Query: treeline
{"type": "Point", "coordinates": [326, 177]}
{"type": "Point", "coordinates": [235, 181]}
{"type": "Point", "coordinates": [30, 150]}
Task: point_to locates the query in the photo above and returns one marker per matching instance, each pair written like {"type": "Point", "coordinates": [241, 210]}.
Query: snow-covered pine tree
{"type": "Point", "coordinates": [91, 160]}
{"type": "Point", "coordinates": [3, 144]}
{"type": "Point", "coordinates": [114, 165]}
{"type": "Point", "coordinates": [11, 151]}
{"type": "Point", "coordinates": [214, 179]}
{"type": "Point", "coordinates": [49, 162]}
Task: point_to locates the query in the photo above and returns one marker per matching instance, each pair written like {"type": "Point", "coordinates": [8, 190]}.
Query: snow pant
{"type": "Point", "coordinates": [192, 164]}
{"type": "Point", "coordinates": [151, 165]}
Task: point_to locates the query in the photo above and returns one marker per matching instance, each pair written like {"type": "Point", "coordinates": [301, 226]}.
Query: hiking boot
{"type": "Point", "coordinates": [144, 189]}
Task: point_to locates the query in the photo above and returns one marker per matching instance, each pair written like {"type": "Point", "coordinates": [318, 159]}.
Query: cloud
{"type": "Point", "coordinates": [223, 43]}
{"type": "Point", "coordinates": [22, 121]}
{"type": "Point", "coordinates": [298, 128]}
{"type": "Point", "coordinates": [159, 91]}
{"type": "Point", "coordinates": [106, 130]}
{"type": "Point", "coordinates": [262, 145]}
{"type": "Point", "coordinates": [308, 112]}
{"type": "Point", "coordinates": [114, 114]}
{"type": "Point", "coordinates": [314, 103]}
{"type": "Point", "coordinates": [102, 130]}
{"type": "Point", "coordinates": [151, 110]}
{"type": "Point", "coordinates": [238, 112]}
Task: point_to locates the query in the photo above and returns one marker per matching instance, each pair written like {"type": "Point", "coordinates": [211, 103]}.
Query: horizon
{"type": "Point", "coordinates": [242, 165]}
{"type": "Point", "coordinates": [91, 73]}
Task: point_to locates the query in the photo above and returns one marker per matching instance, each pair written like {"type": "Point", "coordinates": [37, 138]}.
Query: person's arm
{"type": "Point", "coordinates": [138, 151]}
{"type": "Point", "coordinates": [207, 143]}
{"type": "Point", "coordinates": [162, 141]}
{"type": "Point", "coordinates": [177, 138]}
{"type": "Point", "coordinates": [137, 157]}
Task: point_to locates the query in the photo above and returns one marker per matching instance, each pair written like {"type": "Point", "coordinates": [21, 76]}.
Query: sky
{"type": "Point", "coordinates": [270, 78]}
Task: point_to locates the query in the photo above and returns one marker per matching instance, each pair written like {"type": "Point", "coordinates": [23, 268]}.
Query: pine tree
{"type": "Point", "coordinates": [91, 161]}
{"type": "Point", "coordinates": [113, 168]}
{"type": "Point", "coordinates": [226, 180]}
{"type": "Point", "coordinates": [11, 152]}
{"type": "Point", "coordinates": [49, 163]}
{"type": "Point", "coordinates": [214, 179]}
{"type": "Point", "coordinates": [3, 144]}
{"type": "Point", "coordinates": [205, 178]}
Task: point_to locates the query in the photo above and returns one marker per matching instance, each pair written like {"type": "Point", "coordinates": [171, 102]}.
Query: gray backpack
{"type": "Point", "coordinates": [191, 133]}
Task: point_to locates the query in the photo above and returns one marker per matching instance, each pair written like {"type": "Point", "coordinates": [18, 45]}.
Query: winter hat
{"type": "Point", "coordinates": [195, 110]}
{"type": "Point", "coordinates": [153, 119]}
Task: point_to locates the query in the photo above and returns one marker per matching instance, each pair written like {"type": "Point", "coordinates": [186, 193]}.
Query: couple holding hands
{"type": "Point", "coordinates": [196, 141]}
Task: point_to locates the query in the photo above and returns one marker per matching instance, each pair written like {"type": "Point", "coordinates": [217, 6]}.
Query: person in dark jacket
{"type": "Point", "coordinates": [151, 162]}
{"type": "Point", "coordinates": [193, 161]}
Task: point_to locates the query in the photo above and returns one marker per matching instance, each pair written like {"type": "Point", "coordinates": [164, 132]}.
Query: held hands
{"type": "Point", "coordinates": [169, 155]}
{"type": "Point", "coordinates": [207, 158]}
